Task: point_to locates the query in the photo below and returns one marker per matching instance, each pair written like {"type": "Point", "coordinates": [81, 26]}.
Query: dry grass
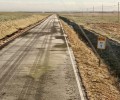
{"type": "Point", "coordinates": [6, 16]}
{"type": "Point", "coordinates": [12, 24]}
{"type": "Point", "coordinates": [99, 84]}
{"type": "Point", "coordinates": [107, 25]}
{"type": "Point", "coordinates": [92, 17]}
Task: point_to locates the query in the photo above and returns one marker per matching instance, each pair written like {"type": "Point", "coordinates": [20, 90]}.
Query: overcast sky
{"type": "Point", "coordinates": [57, 5]}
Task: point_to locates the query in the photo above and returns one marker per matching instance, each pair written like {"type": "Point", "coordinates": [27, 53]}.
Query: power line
{"type": "Point", "coordinates": [102, 11]}
{"type": "Point", "coordinates": [118, 12]}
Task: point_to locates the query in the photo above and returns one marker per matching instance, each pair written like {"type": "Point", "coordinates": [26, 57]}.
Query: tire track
{"type": "Point", "coordinates": [15, 65]}
{"type": "Point", "coordinates": [30, 82]}
{"type": "Point", "coordinates": [14, 56]}
{"type": "Point", "coordinates": [20, 39]}
{"type": "Point", "coordinates": [45, 63]}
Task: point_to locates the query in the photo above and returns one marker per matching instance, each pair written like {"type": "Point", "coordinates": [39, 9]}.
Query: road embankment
{"type": "Point", "coordinates": [98, 82]}
{"type": "Point", "coordinates": [111, 55]}
{"type": "Point", "coordinates": [11, 29]}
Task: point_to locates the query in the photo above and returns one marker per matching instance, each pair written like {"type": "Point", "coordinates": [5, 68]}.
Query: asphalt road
{"type": "Point", "coordinates": [37, 66]}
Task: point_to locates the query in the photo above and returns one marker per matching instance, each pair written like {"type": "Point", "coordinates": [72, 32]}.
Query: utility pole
{"type": "Point", "coordinates": [102, 11]}
{"type": "Point", "coordinates": [87, 11]}
{"type": "Point", "coordinates": [82, 12]}
{"type": "Point", "coordinates": [118, 12]}
{"type": "Point", "coordinates": [93, 10]}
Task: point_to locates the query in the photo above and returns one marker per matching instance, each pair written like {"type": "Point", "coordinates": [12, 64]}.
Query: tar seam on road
{"type": "Point", "coordinates": [74, 68]}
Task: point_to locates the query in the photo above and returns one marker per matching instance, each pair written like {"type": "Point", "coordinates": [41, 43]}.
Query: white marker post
{"type": "Point", "coordinates": [101, 43]}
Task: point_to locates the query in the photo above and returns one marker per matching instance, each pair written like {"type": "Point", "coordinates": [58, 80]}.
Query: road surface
{"type": "Point", "coordinates": [37, 66]}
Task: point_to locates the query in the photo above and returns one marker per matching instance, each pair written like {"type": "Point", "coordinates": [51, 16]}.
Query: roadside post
{"type": "Point", "coordinates": [101, 45]}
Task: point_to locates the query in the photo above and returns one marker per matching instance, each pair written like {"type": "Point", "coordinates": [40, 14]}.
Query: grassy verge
{"type": "Point", "coordinates": [10, 23]}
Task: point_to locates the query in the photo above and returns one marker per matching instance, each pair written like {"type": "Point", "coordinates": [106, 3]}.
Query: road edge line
{"type": "Point", "coordinates": [74, 68]}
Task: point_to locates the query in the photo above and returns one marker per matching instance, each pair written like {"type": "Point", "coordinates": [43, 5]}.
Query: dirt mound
{"type": "Point", "coordinates": [98, 82]}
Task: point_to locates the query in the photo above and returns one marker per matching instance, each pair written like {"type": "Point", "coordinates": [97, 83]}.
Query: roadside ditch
{"type": "Point", "coordinates": [97, 80]}
{"type": "Point", "coordinates": [111, 55]}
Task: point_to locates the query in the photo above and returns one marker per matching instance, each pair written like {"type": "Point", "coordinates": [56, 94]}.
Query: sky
{"type": "Point", "coordinates": [58, 5]}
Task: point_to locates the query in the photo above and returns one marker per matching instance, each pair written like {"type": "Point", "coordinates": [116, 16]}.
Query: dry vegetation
{"type": "Point", "coordinates": [107, 25]}
{"type": "Point", "coordinates": [11, 22]}
{"type": "Point", "coordinates": [99, 84]}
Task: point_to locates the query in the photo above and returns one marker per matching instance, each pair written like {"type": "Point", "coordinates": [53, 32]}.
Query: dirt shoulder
{"type": "Point", "coordinates": [98, 82]}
